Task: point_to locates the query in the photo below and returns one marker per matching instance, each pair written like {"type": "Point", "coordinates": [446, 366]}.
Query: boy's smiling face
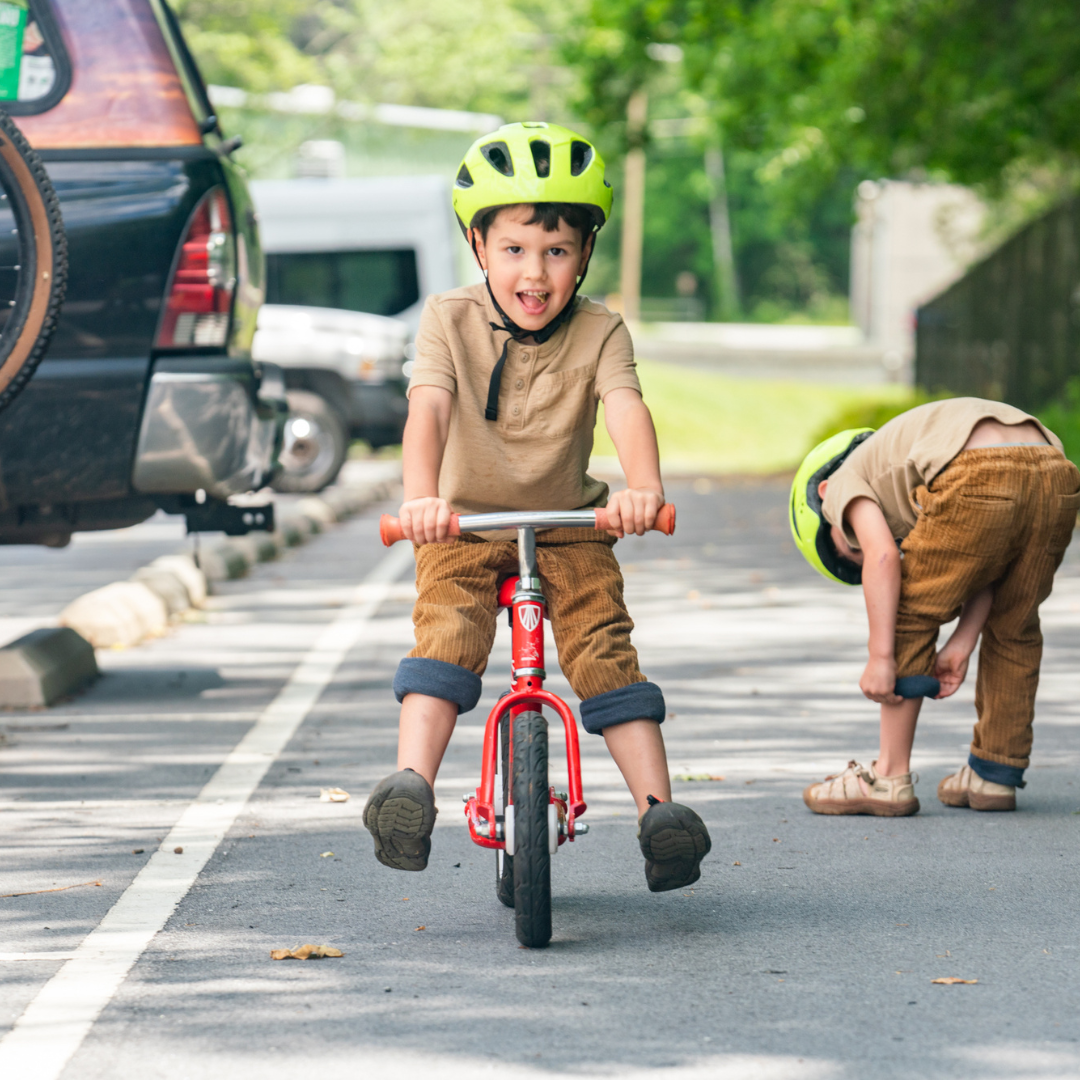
{"type": "Point", "coordinates": [532, 272]}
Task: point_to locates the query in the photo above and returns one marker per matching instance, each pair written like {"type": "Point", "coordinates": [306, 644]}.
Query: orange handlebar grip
{"type": "Point", "coordinates": [665, 519]}
{"type": "Point", "coordinates": [390, 528]}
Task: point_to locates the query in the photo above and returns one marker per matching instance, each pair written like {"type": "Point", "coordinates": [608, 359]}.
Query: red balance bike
{"type": "Point", "coordinates": [514, 810]}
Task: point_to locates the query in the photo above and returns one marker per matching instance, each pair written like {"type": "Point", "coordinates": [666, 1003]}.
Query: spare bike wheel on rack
{"type": "Point", "coordinates": [532, 860]}
{"type": "Point", "coordinates": [33, 261]}
{"type": "Point", "coordinates": [504, 863]}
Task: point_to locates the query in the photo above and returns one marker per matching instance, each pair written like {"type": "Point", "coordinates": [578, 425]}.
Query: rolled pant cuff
{"type": "Point", "coordinates": [995, 772]}
{"type": "Point", "coordinates": [437, 678]}
{"type": "Point", "coordinates": [638, 701]}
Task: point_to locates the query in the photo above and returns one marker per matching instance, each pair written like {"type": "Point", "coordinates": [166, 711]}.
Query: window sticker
{"type": "Point", "coordinates": [38, 74]}
{"type": "Point", "coordinates": [13, 14]}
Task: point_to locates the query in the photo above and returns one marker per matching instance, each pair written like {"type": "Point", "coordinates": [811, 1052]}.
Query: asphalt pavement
{"type": "Point", "coordinates": [807, 949]}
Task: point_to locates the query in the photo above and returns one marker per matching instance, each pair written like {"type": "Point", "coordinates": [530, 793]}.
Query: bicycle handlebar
{"type": "Point", "coordinates": [390, 527]}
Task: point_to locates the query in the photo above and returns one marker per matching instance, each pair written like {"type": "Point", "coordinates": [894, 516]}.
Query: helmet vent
{"type": "Point", "coordinates": [464, 177]}
{"type": "Point", "coordinates": [498, 157]}
{"type": "Point", "coordinates": [581, 155]}
{"type": "Point", "coordinates": [541, 152]}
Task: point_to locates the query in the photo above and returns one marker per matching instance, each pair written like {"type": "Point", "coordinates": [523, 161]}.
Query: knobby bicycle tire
{"type": "Point", "coordinates": [40, 261]}
{"type": "Point", "coordinates": [504, 864]}
{"type": "Point", "coordinates": [532, 860]}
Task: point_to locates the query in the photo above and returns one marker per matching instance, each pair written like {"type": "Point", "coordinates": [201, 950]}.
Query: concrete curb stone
{"type": "Point", "coordinates": [117, 615]}
{"type": "Point", "coordinates": [184, 568]}
{"type": "Point", "coordinates": [45, 665]}
{"type": "Point", "coordinates": [167, 586]}
{"type": "Point", "coordinates": [223, 561]}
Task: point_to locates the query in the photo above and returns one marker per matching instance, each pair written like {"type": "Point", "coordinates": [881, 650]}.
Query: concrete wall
{"type": "Point", "coordinates": [910, 241]}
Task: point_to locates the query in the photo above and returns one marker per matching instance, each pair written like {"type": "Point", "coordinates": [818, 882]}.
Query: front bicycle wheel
{"type": "Point", "coordinates": [532, 860]}
{"type": "Point", "coordinates": [33, 261]}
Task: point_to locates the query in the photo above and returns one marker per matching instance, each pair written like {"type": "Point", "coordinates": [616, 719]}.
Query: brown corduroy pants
{"type": "Point", "coordinates": [455, 612]}
{"type": "Point", "coordinates": [1000, 516]}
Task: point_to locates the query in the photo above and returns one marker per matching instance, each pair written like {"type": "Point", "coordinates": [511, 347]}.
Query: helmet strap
{"type": "Point", "coordinates": [518, 333]}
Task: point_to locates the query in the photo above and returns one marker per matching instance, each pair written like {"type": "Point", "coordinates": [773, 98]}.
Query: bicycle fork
{"type": "Point", "coordinates": [490, 823]}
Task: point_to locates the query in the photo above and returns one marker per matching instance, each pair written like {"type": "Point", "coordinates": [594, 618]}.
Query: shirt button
{"type": "Point", "coordinates": [517, 410]}
{"type": "Point", "coordinates": [520, 383]}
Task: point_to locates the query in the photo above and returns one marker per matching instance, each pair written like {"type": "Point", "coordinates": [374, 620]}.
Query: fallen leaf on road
{"type": "Point", "coordinates": [951, 981]}
{"type": "Point", "coordinates": [326, 855]}
{"type": "Point", "coordinates": [35, 892]}
{"type": "Point", "coordinates": [178, 851]}
{"type": "Point", "coordinates": [421, 928]}
{"type": "Point", "coordinates": [305, 952]}
{"type": "Point", "coordinates": [333, 794]}
{"type": "Point", "coordinates": [138, 851]}
{"type": "Point", "coordinates": [736, 864]}
{"type": "Point", "coordinates": [691, 777]}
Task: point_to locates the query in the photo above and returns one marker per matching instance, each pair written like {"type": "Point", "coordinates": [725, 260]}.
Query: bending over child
{"type": "Point", "coordinates": [959, 508]}
{"type": "Point", "coordinates": [502, 405]}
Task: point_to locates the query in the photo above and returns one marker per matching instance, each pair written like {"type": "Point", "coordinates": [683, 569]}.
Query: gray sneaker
{"type": "Point", "coordinates": [400, 814]}
{"type": "Point", "coordinates": [673, 840]}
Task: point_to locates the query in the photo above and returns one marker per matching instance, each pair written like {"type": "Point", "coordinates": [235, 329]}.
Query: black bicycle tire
{"type": "Point", "coordinates": [532, 860]}
{"type": "Point", "coordinates": [504, 881]}
{"type": "Point", "coordinates": [43, 263]}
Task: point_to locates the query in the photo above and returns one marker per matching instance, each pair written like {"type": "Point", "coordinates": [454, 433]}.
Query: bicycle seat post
{"type": "Point", "coordinates": [527, 571]}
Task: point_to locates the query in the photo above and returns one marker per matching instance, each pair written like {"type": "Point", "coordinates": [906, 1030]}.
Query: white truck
{"type": "Point", "coordinates": [349, 264]}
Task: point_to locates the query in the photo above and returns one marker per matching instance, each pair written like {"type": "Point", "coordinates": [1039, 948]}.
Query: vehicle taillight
{"type": "Point", "coordinates": [201, 292]}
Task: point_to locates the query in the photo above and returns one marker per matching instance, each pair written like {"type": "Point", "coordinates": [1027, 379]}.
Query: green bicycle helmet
{"type": "Point", "coordinates": [809, 529]}
{"type": "Point", "coordinates": [531, 163]}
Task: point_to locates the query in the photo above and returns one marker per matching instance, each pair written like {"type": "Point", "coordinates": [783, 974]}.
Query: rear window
{"type": "Point", "coordinates": [124, 89]}
{"type": "Point", "coordinates": [378, 282]}
{"type": "Point", "coordinates": [34, 68]}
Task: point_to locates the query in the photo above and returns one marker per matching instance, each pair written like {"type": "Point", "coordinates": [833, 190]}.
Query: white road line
{"type": "Point", "coordinates": [55, 1023]}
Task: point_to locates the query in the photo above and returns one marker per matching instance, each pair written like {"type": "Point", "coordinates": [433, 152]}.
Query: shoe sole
{"type": "Point", "coordinates": [865, 806]}
{"type": "Point", "coordinates": [973, 800]}
{"type": "Point", "coordinates": [673, 852]}
{"type": "Point", "coordinates": [401, 824]}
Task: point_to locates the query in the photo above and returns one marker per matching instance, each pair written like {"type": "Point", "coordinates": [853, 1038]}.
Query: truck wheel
{"type": "Point", "coordinates": [316, 442]}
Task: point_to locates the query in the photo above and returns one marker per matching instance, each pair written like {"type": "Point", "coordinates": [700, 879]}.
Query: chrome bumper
{"type": "Point", "coordinates": [217, 429]}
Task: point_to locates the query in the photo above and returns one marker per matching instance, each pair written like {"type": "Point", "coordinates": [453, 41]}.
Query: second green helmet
{"type": "Point", "coordinates": [531, 163]}
{"type": "Point", "coordinates": [809, 529]}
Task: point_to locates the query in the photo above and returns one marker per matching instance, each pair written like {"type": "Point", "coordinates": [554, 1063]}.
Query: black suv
{"type": "Point", "coordinates": [148, 396]}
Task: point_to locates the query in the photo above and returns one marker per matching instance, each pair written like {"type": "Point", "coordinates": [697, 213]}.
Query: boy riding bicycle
{"type": "Point", "coordinates": [502, 404]}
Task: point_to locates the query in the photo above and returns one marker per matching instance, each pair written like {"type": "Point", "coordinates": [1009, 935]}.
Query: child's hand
{"type": "Point", "coordinates": [426, 520]}
{"type": "Point", "coordinates": [951, 668]}
{"type": "Point", "coordinates": [878, 681]}
{"type": "Point", "coordinates": [633, 511]}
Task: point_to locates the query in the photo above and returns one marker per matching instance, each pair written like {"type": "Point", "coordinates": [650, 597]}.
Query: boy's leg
{"type": "Point", "coordinates": [454, 618]}
{"type": "Point", "coordinates": [637, 747]}
{"type": "Point", "coordinates": [584, 587]}
{"type": "Point", "coordinates": [1011, 649]}
{"type": "Point", "coordinates": [424, 732]}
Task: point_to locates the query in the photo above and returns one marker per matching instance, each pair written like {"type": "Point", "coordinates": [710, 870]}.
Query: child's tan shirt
{"type": "Point", "coordinates": [535, 456]}
{"type": "Point", "coordinates": [909, 451]}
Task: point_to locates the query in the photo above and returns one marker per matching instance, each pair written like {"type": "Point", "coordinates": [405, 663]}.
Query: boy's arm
{"type": "Point", "coordinates": [881, 591]}
{"type": "Point", "coordinates": [952, 662]}
{"type": "Point", "coordinates": [630, 426]}
{"type": "Point", "coordinates": [425, 518]}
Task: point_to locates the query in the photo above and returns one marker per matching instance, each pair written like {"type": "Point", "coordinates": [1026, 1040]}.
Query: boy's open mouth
{"type": "Point", "coordinates": [533, 302]}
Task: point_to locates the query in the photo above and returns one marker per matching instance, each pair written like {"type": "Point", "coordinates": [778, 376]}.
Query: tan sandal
{"type": "Point", "coordinates": [886, 796]}
{"type": "Point", "coordinates": [968, 788]}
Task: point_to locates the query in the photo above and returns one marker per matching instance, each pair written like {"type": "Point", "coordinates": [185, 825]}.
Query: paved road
{"type": "Point", "coordinates": [807, 949]}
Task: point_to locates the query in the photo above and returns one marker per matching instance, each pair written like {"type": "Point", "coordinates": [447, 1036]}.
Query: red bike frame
{"type": "Point", "coordinates": [527, 611]}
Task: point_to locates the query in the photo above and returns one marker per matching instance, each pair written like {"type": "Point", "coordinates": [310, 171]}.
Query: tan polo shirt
{"type": "Point", "coordinates": [535, 456]}
{"type": "Point", "coordinates": [908, 451]}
